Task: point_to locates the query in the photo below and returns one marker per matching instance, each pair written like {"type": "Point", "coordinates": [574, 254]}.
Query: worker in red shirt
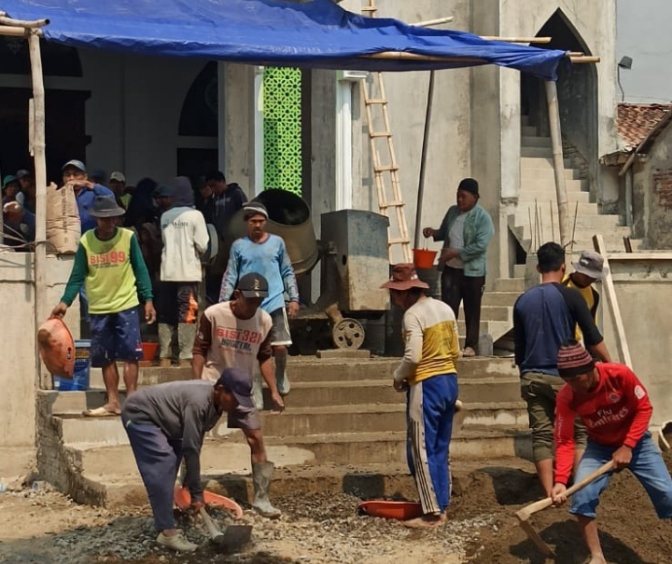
{"type": "Point", "coordinates": [616, 410]}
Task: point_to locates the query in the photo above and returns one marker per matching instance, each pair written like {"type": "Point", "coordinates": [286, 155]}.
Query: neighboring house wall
{"type": "Point", "coordinates": [18, 375]}
{"type": "Point", "coordinates": [652, 198]}
{"type": "Point", "coordinates": [644, 35]}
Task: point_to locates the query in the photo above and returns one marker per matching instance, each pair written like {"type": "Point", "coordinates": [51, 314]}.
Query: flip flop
{"type": "Point", "coordinates": [101, 412]}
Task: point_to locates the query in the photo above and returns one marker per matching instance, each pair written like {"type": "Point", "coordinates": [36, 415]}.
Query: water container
{"type": "Point", "coordinates": [80, 379]}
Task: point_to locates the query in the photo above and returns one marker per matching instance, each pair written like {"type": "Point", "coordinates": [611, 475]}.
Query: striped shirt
{"type": "Point", "coordinates": [432, 344]}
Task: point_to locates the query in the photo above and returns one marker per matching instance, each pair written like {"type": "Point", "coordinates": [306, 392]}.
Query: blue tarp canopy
{"type": "Point", "coordinates": [300, 33]}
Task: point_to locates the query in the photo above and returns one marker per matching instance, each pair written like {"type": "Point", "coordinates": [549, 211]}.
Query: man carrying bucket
{"type": "Point", "coordinates": [427, 373]}
{"type": "Point", "coordinates": [109, 263]}
{"type": "Point", "coordinates": [466, 231]}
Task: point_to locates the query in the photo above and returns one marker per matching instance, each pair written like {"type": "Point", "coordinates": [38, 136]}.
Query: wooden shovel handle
{"type": "Point", "coordinates": [212, 529]}
{"type": "Point", "coordinates": [545, 503]}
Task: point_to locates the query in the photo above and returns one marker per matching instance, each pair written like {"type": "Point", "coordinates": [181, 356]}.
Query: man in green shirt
{"type": "Point", "coordinates": [109, 263]}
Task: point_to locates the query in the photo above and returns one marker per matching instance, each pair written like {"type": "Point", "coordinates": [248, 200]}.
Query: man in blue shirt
{"type": "Point", "coordinates": [74, 172]}
{"type": "Point", "coordinates": [265, 254]}
{"type": "Point", "coordinates": [545, 318]}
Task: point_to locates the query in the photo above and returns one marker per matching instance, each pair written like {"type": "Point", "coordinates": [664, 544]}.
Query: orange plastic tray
{"type": "Point", "coordinates": [400, 510]}
{"type": "Point", "coordinates": [183, 501]}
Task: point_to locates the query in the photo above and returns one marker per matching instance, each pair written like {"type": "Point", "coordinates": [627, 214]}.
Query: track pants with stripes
{"type": "Point", "coordinates": [429, 412]}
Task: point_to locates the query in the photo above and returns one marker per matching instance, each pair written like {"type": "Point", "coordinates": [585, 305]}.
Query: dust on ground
{"type": "Point", "coordinates": [47, 528]}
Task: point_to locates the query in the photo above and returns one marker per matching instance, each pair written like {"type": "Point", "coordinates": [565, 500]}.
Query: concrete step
{"type": "Point", "coordinates": [524, 121]}
{"type": "Point", "coordinates": [546, 183]}
{"type": "Point", "coordinates": [544, 208]}
{"type": "Point", "coordinates": [494, 328]}
{"type": "Point", "coordinates": [535, 141]}
{"type": "Point", "coordinates": [543, 197]}
{"type": "Point", "coordinates": [510, 284]}
{"type": "Point", "coordinates": [534, 164]}
{"type": "Point", "coordinates": [297, 422]}
{"type": "Point", "coordinates": [499, 298]}
{"type": "Point", "coordinates": [528, 130]}
{"type": "Point", "coordinates": [536, 151]}
{"type": "Point", "coordinates": [497, 313]}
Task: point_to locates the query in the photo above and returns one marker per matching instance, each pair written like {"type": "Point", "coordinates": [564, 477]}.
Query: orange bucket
{"type": "Point", "coordinates": [149, 350]}
{"type": "Point", "coordinates": [400, 510]}
{"type": "Point", "coordinates": [423, 258]}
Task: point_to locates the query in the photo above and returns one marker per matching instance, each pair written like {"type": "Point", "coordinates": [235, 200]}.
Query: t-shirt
{"type": "Point", "coordinates": [432, 344]}
{"type": "Point", "coordinates": [268, 258]}
{"type": "Point", "coordinates": [544, 318]}
{"type": "Point", "coordinates": [456, 240]}
{"type": "Point", "coordinates": [591, 297]}
{"type": "Point", "coordinates": [113, 271]}
{"type": "Point", "coordinates": [616, 413]}
{"type": "Point", "coordinates": [185, 237]}
{"type": "Point", "coordinates": [226, 341]}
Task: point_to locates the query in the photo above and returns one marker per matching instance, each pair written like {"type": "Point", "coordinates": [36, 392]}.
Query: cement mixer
{"type": "Point", "coordinates": [353, 255]}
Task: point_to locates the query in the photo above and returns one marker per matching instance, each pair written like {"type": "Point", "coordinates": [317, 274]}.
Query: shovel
{"type": "Point", "coordinates": [232, 539]}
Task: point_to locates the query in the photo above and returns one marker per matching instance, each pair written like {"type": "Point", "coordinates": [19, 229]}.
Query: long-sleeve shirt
{"type": "Point", "coordinates": [432, 345]}
{"type": "Point", "coordinates": [268, 258]}
{"type": "Point", "coordinates": [477, 232]}
{"type": "Point", "coordinates": [616, 413]}
{"type": "Point", "coordinates": [85, 200]}
{"type": "Point", "coordinates": [185, 237]}
{"type": "Point", "coordinates": [544, 318]}
{"type": "Point", "coordinates": [114, 273]}
{"type": "Point", "coordinates": [183, 411]}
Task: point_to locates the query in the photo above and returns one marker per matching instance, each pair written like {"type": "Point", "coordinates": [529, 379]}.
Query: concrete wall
{"type": "Point", "coordinates": [652, 194]}
{"type": "Point", "coordinates": [643, 35]}
{"type": "Point", "coordinates": [642, 285]}
{"type": "Point", "coordinates": [18, 371]}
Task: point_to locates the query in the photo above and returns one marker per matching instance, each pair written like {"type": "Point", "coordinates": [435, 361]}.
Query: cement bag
{"type": "Point", "coordinates": [63, 224]}
{"type": "Point", "coordinates": [57, 347]}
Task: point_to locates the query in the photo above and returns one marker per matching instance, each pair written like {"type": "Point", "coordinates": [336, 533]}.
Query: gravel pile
{"type": "Point", "coordinates": [318, 529]}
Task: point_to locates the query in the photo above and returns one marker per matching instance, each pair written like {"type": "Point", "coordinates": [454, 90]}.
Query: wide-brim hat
{"type": "Point", "coordinates": [591, 264]}
{"type": "Point", "coordinates": [106, 206]}
{"type": "Point", "coordinates": [404, 277]}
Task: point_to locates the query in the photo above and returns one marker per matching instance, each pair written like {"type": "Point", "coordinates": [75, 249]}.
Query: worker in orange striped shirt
{"type": "Point", "coordinates": [427, 373]}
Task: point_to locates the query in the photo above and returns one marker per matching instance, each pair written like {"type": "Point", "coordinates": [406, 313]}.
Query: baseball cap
{"type": "Point", "coordinates": [118, 176]}
{"type": "Point", "coordinates": [253, 285]}
{"type": "Point", "coordinates": [239, 383]}
{"type": "Point", "coordinates": [79, 165]}
{"type": "Point", "coordinates": [21, 173]}
{"type": "Point", "coordinates": [8, 180]}
{"type": "Point", "coordinates": [254, 208]}
{"type": "Point", "coordinates": [591, 264]}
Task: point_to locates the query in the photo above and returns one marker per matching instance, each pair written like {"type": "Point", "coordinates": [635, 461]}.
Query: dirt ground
{"type": "Point", "coordinates": [41, 526]}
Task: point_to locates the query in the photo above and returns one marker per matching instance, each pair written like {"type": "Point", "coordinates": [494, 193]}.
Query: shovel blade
{"type": "Point", "coordinates": [235, 537]}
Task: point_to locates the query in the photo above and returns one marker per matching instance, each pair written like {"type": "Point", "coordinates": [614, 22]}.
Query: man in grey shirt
{"type": "Point", "coordinates": [167, 422]}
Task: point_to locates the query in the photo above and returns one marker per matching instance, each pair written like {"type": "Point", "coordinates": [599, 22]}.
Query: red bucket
{"type": "Point", "coordinates": [149, 350]}
{"type": "Point", "coordinates": [423, 258]}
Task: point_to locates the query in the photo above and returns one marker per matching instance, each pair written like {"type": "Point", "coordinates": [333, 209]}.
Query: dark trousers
{"type": "Point", "coordinates": [158, 459]}
{"type": "Point", "coordinates": [457, 288]}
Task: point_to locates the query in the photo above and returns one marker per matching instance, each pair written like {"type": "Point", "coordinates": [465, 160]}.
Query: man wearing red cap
{"type": "Point", "coordinates": [427, 372]}
{"type": "Point", "coordinates": [616, 410]}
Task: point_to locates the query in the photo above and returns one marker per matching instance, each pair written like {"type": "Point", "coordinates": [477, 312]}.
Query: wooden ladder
{"type": "Point", "coordinates": [398, 230]}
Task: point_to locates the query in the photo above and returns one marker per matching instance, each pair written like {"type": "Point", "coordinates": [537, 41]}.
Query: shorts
{"type": "Point", "coordinates": [281, 337]}
{"type": "Point", "coordinates": [539, 392]}
{"type": "Point", "coordinates": [115, 336]}
{"type": "Point", "coordinates": [245, 418]}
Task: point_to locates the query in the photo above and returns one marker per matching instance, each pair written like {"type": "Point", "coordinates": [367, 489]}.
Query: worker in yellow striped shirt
{"type": "Point", "coordinates": [588, 269]}
{"type": "Point", "coordinates": [427, 373]}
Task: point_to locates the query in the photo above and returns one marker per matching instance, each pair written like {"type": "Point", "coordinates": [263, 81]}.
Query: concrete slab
{"type": "Point", "coordinates": [343, 354]}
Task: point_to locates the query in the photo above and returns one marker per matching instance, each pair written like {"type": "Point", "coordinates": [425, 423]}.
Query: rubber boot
{"type": "Point", "coordinates": [262, 473]}
{"type": "Point", "coordinates": [186, 333]}
{"type": "Point", "coordinates": [165, 344]}
{"type": "Point", "coordinates": [281, 375]}
{"type": "Point", "coordinates": [258, 390]}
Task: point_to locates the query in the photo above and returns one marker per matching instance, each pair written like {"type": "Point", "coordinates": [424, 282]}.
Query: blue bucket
{"type": "Point", "coordinates": [80, 379]}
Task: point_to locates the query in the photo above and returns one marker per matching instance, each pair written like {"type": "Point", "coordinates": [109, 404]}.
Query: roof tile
{"type": "Point", "coordinates": [635, 121]}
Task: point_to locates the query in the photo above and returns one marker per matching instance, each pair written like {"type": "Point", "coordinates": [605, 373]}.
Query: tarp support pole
{"type": "Point", "coordinates": [40, 195]}
{"type": "Point", "coordinates": [423, 161]}
{"type": "Point", "coordinates": [558, 161]}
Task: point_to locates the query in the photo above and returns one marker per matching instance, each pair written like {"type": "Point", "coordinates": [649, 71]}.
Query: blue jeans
{"type": "Point", "coordinates": [647, 465]}
{"type": "Point", "coordinates": [430, 411]}
{"type": "Point", "coordinates": [158, 459]}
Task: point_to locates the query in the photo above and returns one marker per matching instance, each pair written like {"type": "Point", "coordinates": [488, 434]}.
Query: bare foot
{"type": "Point", "coordinates": [426, 521]}
{"type": "Point", "coordinates": [597, 559]}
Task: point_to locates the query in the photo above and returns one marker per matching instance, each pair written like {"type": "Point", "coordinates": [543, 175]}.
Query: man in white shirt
{"type": "Point", "coordinates": [237, 334]}
{"type": "Point", "coordinates": [185, 238]}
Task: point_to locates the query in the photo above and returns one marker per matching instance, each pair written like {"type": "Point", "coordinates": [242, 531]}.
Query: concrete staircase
{"type": "Point", "coordinates": [340, 415]}
{"type": "Point", "coordinates": [537, 191]}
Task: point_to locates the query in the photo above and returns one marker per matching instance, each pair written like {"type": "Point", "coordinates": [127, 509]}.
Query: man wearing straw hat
{"type": "Point", "coordinates": [427, 373]}
{"type": "Point", "coordinates": [466, 231]}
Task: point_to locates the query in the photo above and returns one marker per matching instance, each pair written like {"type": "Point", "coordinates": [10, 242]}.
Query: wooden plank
{"type": "Point", "coordinates": [608, 285]}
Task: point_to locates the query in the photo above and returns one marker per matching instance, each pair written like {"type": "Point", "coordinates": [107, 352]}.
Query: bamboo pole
{"type": "Point", "coordinates": [40, 194]}
{"type": "Point", "coordinates": [4, 20]}
{"type": "Point", "coordinates": [558, 160]}
{"type": "Point", "coordinates": [438, 21]}
{"type": "Point", "coordinates": [11, 31]}
{"type": "Point", "coordinates": [404, 56]}
{"type": "Point", "coordinates": [423, 161]}
{"type": "Point", "coordinates": [517, 39]}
